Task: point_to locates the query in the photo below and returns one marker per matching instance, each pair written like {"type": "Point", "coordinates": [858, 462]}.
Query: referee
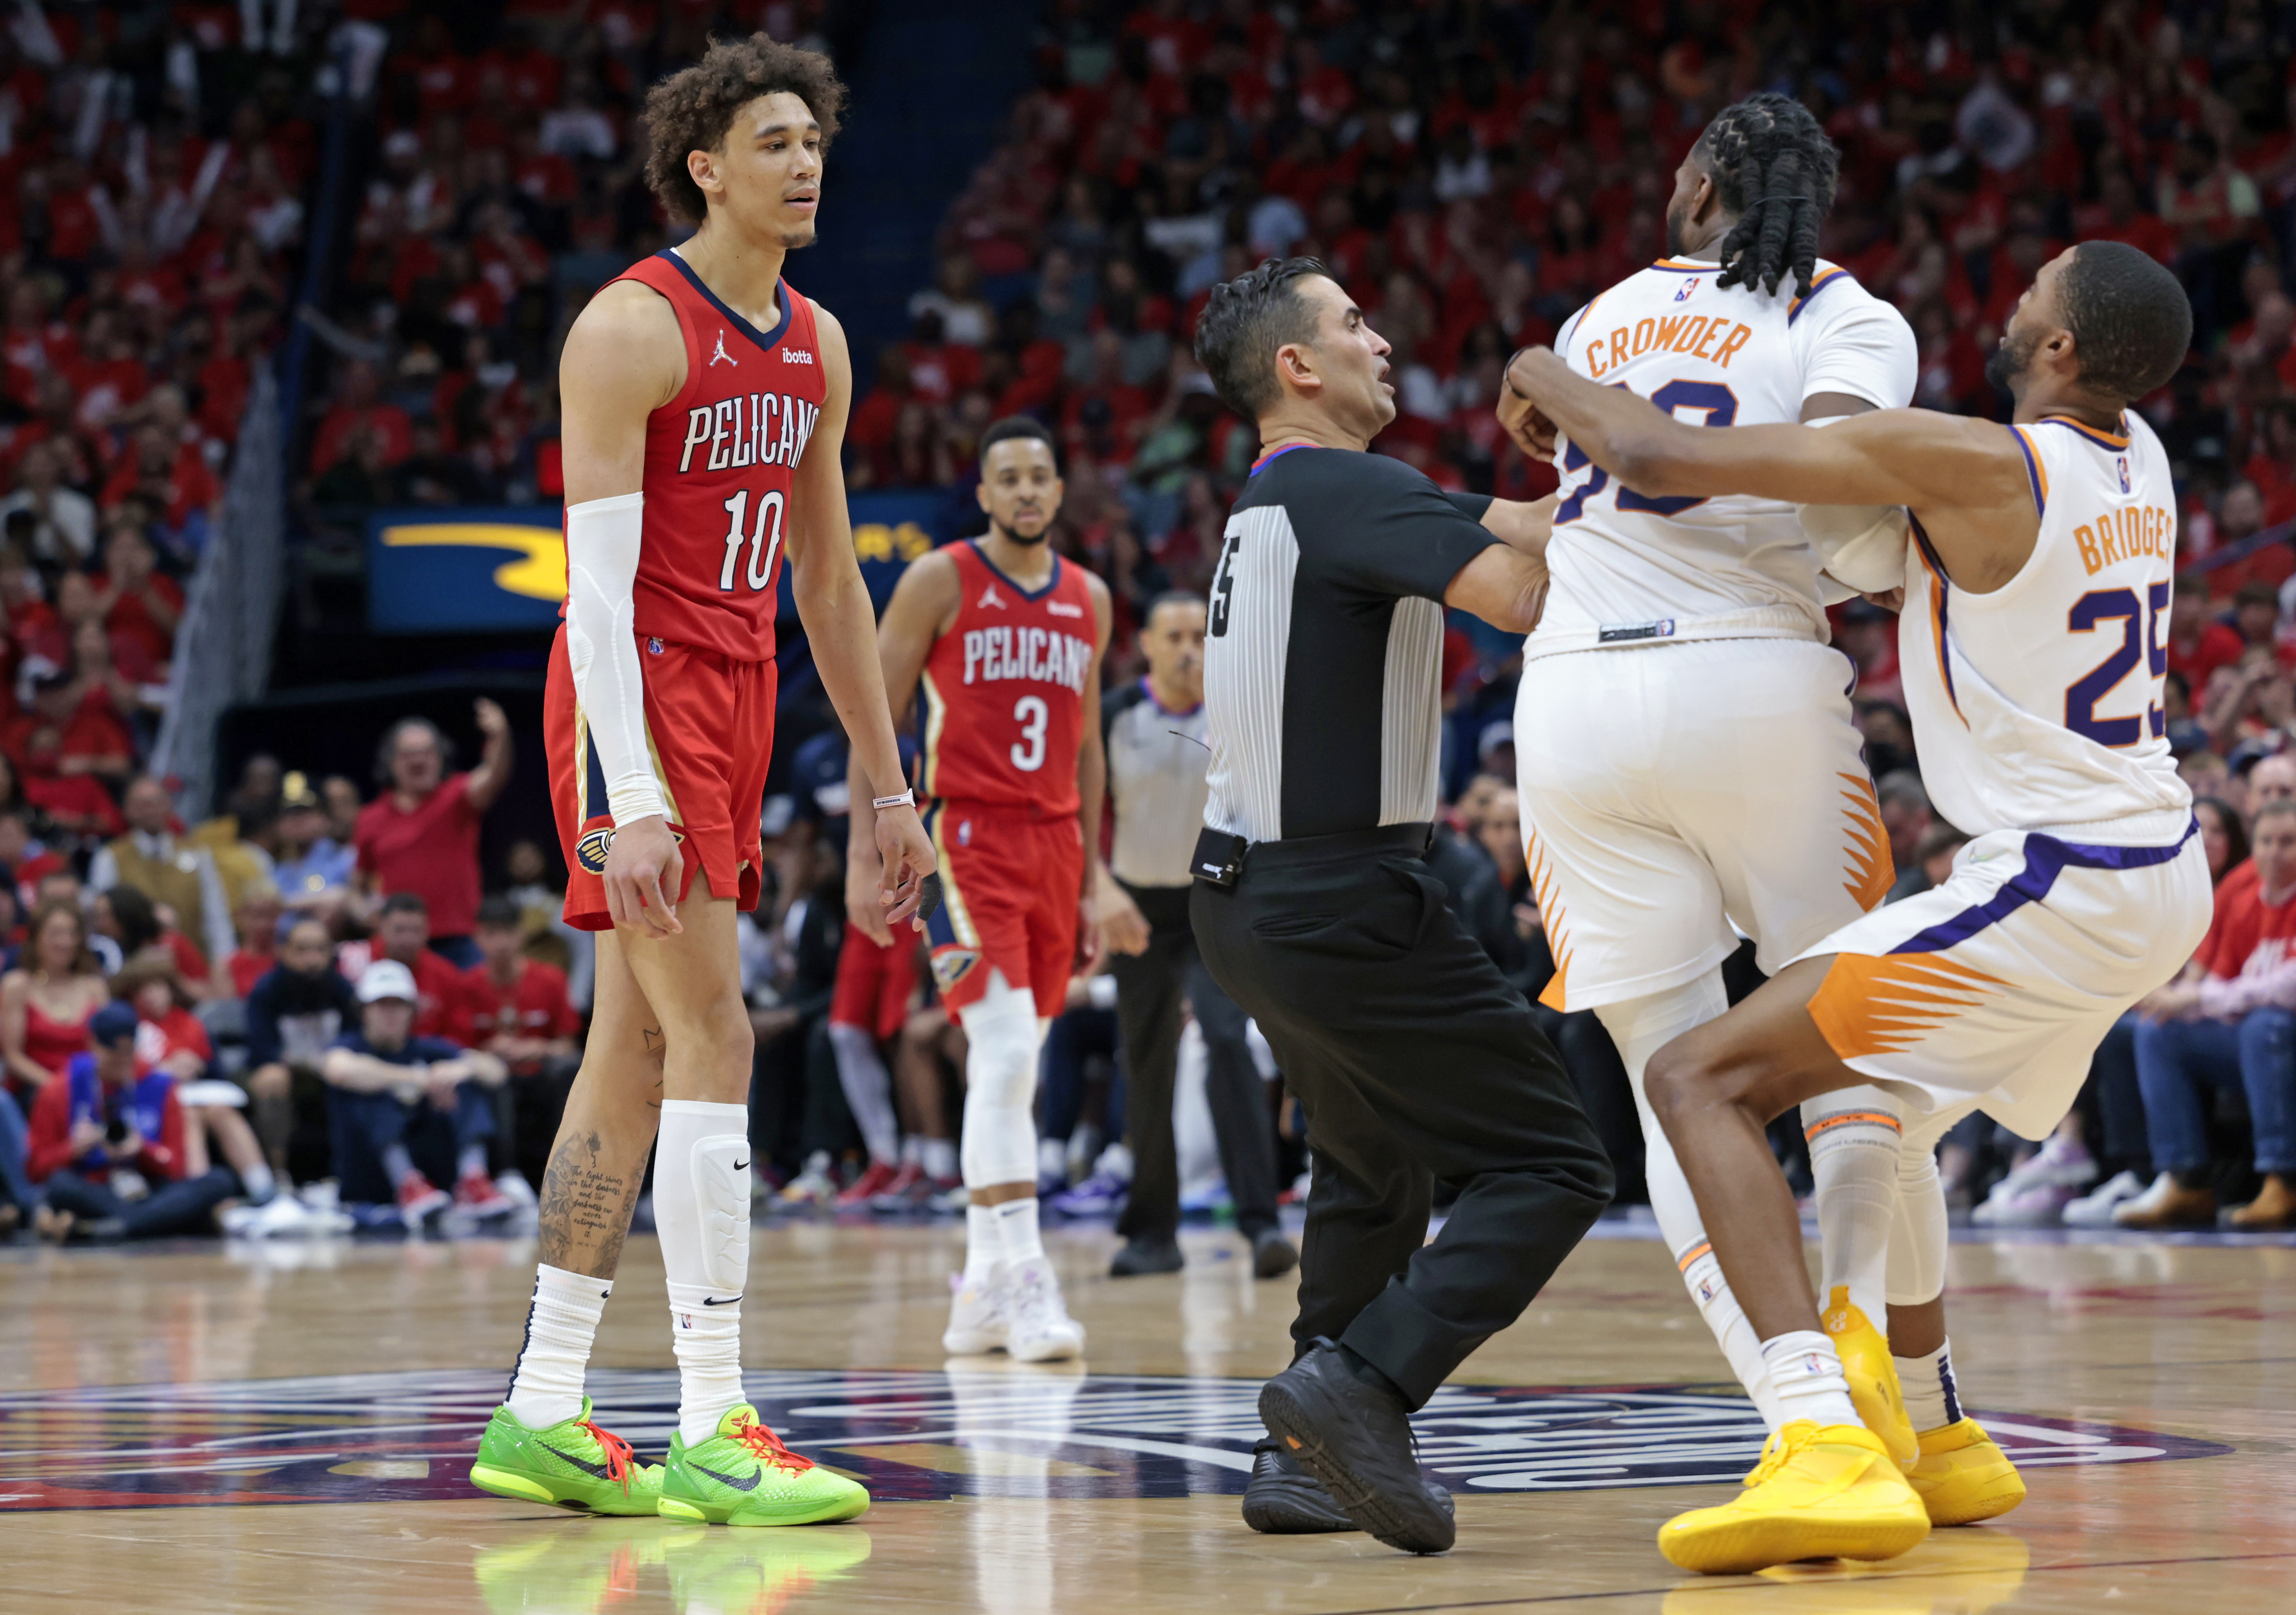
{"type": "Point", "coordinates": [1154, 730]}
{"type": "Point", "coordinates": [1412, 1056]}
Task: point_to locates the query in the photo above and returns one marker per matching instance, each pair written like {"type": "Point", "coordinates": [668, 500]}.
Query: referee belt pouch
{"type": "Point", "coordinates": [1218, 857]}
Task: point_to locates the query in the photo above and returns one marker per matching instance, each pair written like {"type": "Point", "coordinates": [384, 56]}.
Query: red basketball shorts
{"type": "Point", "coordinates": [1010, 882]}
{"type": "Point", "coordinates": [710, 727]}
{"type": "Point", "coordinates": [873, 983]}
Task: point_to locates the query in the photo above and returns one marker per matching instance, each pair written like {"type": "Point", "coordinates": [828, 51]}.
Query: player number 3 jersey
{"type": "Point", "coordinates": [720, 459]}
{"type": "Point", "coordinates": [1002, 690]}
{"type": "Point", "coordinates": [2039, 704]}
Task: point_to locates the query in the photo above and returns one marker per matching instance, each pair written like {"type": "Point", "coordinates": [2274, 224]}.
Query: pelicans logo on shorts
{"type": "Point", "coordinates": [591, 851]}
{"type": "Point", "coordinates": [951, 965]}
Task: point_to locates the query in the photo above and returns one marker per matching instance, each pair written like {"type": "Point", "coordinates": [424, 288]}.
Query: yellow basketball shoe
{"type": "Point", "coordinates": [1964, 1476]}
{"type": "Point", "coordinates": [1873, 1375]}
{"type": "Point", "coordinates": [1830, 1492]}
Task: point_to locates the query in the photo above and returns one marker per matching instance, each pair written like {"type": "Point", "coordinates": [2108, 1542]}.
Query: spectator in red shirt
{"type": "Point", "coordinates": [421, 836]}
{"type": "Point", "coordinates": [401, 931]}
{"type": "Point", "coordinates": [106, 1117]}
{"type": "Point", "coordinates": [2198, 644]}
{"type": "Point", "coordinates": [356, 409]}
{"type": "Point", "coordinates": [169, 1037]}
{"type": "Point", "coordinates": [139, 604]}
{"type": "Point", "coordinates": [171, 475]}
{"type": "Point", "coordinates": [257, 919]}
{"type": "Point", "coordinates": [516, 1007]}
{"type": "Point", "coordinates": [2229, 1021]}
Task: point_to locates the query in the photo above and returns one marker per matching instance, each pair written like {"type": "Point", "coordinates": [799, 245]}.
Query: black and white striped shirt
{"type": "Point", "coordinates": [1323, 670]}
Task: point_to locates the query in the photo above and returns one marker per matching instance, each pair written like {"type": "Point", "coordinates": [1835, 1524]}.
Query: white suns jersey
{"type": "Point", "coordinates": [2038, 705]}
{"type": "Point", "coordinates": [1628, 568]}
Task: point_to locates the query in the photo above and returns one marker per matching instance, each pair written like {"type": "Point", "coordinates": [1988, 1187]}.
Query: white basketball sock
{"type": "Point", "coordinates": [1640, 1027]}
{"type": "Point", "coordinates": [561, 1321]}
{"type": "Point", "coordinates": [702, 1208]}
{"type": "Point", "coordinates": [1806, 1376]}
{"type": "Point", "coordinates": [1932, 1398]}
{"type": "Point", "coordinates": [1854, 1137]}
{"type": "Point", "coordinates": [1017, 1232]}
{"type": "Point", "coordinates": [984, 1244]}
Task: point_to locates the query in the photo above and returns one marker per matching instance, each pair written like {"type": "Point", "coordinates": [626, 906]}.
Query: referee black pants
{"type": "Point", "coordinates": [1414, 1061]}
{"type": "Point", "coordinates": [1150, 987]}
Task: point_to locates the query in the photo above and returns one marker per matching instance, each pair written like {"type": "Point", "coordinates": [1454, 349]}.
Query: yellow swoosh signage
{"type": "Point", "coordinates": [538, 573]}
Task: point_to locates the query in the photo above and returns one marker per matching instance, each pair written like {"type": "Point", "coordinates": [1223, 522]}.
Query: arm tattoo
{"type": "Point", "coordinates": [585, 1208]}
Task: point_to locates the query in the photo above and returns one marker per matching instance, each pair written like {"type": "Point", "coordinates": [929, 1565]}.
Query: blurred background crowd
{"type": "Point", "coordinates": [371, 221]}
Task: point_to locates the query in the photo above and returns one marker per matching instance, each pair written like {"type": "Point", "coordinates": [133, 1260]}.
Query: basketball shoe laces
{"type": "Point", "coordinates": [1777, 1452]}
{"type": "Point", "coordinates": [617, 1451]}
{"type": "Point", "coordinates": [769, 1449]}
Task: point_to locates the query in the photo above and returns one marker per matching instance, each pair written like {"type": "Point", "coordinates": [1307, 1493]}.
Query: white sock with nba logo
{"type": "Point", "coordinates": [562, 1322]}
{"type": "Point", "coordinates": [702, 1210]}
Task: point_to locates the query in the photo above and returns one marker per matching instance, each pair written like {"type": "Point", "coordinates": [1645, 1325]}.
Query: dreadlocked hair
{"type": "Point", "coordinates": [1773, 167]}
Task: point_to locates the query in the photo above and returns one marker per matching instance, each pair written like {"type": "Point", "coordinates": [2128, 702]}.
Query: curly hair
{"type": "Point", "coordinates": [1774, 169]}
{"type": "Point", "coordinates": [691, 109]}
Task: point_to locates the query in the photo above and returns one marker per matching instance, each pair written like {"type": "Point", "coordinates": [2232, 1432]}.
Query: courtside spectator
{"type": "Point", "coordinates": [390, 1093]}
{"type": "Point", "coordinates": [312, 870]}
{"type": "Point", "coordinates": [107, 1117]}
{"type": "Point", "coordinates": [402, 932]}
{"type": "Point", "coordinates": [516, 1009]}
{"type": "Point", "coordinates": [257, 919]}
{"type": "Point", "coordinates": [2229, 1022]}
{"type": "Point", "coordinates": [421, 835]}
{"type": "Point", "coordinates": [168, 1037]}
{"type": "Point", "coordinates": [131, 929]}
{"type": "Point", "coordinates": [294, 1014]}
{"type": "Point", "coordinates": [45, 1004]}
{"type": "Point", "coordinates": [166, 868]}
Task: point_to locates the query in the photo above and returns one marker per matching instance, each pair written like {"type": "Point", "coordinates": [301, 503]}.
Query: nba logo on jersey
{"type": "Point", "coordinates": [2121, 464]}
{"type": "Point", "coordinates": [964, 832]}
{"type": "Point", "coordinates": [1688, 287]}
{"type": "Point", "coordinates": [654, 647]}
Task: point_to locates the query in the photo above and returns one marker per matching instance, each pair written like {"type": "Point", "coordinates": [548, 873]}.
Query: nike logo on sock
{"type": "Point", "coordinates": [714, 1300]}
{"type": "Point", "coordinates": [749, 1485]}
{"type": "Point", "coordinates": [740, 1165]}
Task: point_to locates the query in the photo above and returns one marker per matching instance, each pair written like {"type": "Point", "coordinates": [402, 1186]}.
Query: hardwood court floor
{"type": "Point", "coordinates": [2151, 1388]}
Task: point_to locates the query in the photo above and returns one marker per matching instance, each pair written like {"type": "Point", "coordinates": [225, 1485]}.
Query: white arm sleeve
{"type": "Point", "coordinates": [601, 649]}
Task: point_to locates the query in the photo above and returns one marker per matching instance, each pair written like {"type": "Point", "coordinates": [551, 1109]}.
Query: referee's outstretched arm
{"type": "Point", "coordinates": [1505, 586]}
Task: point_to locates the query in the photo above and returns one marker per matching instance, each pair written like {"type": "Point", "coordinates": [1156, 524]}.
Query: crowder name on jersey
{"type": "Point", "coordinates": [741, 431]}
{"type": "Point", "coordinates": [1026, 652]}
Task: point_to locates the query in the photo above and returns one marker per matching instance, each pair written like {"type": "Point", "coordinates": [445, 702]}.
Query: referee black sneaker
{"type": "Point", "coordinates": [1144, 1255]}
{"type": "Point", "coordinates": [1284, 1500]}
{"type": "Point", "coordinates": [1355, 1437]}
{"type": "Point", "coordinates": [1272, 1255]}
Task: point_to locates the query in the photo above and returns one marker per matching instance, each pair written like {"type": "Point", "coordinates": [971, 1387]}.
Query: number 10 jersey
{"type": "Point", "coordinates": [1002, 690]}
{"type": "Point", "coordinates": [720, 459]}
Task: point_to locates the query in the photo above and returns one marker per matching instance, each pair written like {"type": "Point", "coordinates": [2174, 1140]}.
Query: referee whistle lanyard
{"type": "Point", "coordinates": [1265, 461]}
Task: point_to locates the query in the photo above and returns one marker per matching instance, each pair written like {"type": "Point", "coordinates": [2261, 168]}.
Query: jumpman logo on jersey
{"type": "Point", "coordinates": [990, 597]}
{"type": "Point", "coordinates": [722, 354]}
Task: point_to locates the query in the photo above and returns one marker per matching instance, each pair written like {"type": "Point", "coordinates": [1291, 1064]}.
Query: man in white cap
{"type": "Point", "coordinates": [386, 1088]}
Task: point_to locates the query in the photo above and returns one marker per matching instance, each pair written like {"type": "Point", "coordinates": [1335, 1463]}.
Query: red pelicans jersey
{"type": "Point", "coordinates": [1003, 690]}
{"type": "Point", "coordinates": [719, 460]}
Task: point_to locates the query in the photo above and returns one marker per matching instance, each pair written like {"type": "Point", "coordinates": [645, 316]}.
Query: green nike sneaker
{"type": "Point", "coordinates": [569, 1464]}
{"type": "Point", "coordinates": [744, 1476]}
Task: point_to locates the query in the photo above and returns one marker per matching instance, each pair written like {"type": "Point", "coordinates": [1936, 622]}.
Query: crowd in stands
{"type": "Point", "coordinates": [153, 168]}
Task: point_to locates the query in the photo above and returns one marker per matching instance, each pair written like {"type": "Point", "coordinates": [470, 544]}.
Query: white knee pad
{"type": "Point", "coordinates": [1001, 1038]}
{"type": "Point", "coordinates": [702, 1195]}
{"type": "Point", "coordinates": [1917, 1230]}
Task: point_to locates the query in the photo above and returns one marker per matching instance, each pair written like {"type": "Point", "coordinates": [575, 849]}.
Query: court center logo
{"type": "Point", "coordinates": [991, 1430]}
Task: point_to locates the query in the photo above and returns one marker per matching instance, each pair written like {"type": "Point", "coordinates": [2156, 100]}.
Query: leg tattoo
{"type": "Point", "coordinates": [585, 1207]}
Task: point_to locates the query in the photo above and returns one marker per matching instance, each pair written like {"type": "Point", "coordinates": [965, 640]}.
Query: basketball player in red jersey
{"type": "Point", "coordinates": [704, 405]}
{"type": "Point", "coordinates": [1006, 639]}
